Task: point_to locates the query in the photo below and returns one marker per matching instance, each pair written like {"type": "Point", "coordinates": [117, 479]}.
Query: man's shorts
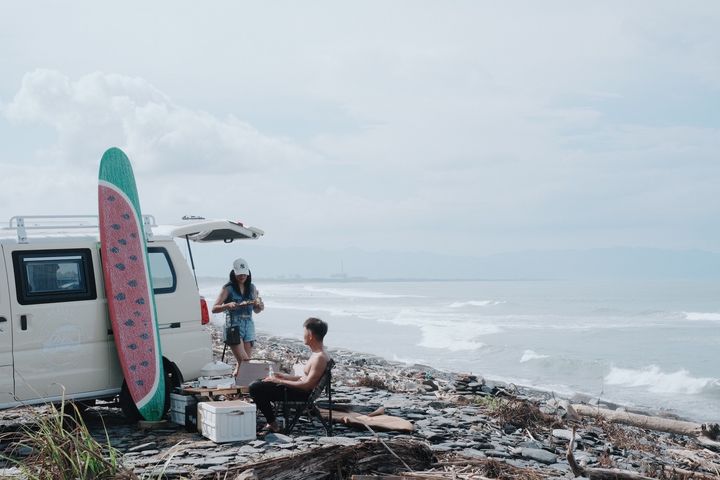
{"type": "Point", "coordinates": [239, 329]}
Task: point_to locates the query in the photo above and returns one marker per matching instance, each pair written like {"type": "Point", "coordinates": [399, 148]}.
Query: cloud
{"type": "Point", "coordinates": [100, 110]}
{"type": "Point", "coordinates": [476, 128]}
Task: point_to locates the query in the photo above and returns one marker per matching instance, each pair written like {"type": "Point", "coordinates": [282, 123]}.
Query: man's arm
{"type": "Point", "coordinates": [316, 370]}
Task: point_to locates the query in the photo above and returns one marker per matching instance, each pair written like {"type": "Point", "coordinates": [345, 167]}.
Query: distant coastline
{"type": "Point", "coordinates": [300, 279]}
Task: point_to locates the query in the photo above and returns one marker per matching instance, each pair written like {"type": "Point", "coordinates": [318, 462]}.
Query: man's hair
{"type": "Point", "coordinates": [317, 327]}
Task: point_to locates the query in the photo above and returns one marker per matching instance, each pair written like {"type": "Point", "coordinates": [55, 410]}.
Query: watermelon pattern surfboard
{"type": "Point", "coordinates": [128, 284]}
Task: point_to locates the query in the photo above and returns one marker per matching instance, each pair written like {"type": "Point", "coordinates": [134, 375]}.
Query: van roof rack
{"type": "Point", "coordinates": [23, 223]}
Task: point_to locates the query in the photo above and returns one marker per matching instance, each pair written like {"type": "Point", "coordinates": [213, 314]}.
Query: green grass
{"type": "Point", "coordinates": [63, 449]}
{"type": "Point", "coordinates": [490, 403]}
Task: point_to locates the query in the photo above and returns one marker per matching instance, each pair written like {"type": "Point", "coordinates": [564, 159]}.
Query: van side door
{"type": "Point", "coordinates": [60, 331]}
{"type": "Point", "coordinates": [7, 387]}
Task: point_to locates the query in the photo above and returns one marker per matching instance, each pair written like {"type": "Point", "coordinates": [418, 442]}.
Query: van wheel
{"type": "Point", "coordinates": [173, 378]}
{"type": "Point", "coordinates": [173, 375]}
{"type": "Point", "coordinates": [127, 405]}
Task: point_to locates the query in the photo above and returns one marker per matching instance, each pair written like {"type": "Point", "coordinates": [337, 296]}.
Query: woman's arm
{"type": "Point", "coordinates": [259, 306]}
{"type": "Point", "coordinates": [220, 305]}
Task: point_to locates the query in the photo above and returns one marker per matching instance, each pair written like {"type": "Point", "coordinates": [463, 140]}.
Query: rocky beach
{"type": "Point", "coordinates": [464, 427]}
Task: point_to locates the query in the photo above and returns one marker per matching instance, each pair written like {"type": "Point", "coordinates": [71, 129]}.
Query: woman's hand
{"type": "Point", "coordinates": [259, 305]}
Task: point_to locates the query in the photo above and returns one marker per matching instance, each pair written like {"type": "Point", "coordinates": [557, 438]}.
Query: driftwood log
{"type": "Point", "coordinates": [339, 461]}
{"type": "Point", "coordinates": [706, 434]}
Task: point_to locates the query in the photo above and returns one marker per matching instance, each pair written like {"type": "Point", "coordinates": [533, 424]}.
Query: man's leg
{"type": "Point", "coordinates": [263, 393]}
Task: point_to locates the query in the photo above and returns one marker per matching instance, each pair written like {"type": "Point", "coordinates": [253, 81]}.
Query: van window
{"type": "Point", "coordinates": [49, 276]}
{"type": "Point", "coordinates": [161, 270]}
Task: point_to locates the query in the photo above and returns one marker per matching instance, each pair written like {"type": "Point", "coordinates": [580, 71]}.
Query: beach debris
{"type": "Point", "coordinates": [342, 460]}
{"type": "Point", "coordinates": [474, 429]}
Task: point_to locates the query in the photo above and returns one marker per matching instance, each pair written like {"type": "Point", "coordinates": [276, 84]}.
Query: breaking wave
{"type": "Point", "coordinates": [702, 316]}
{"type": "Point", "coordinates": [531, 355]}
{"type": "Point", "coordinates": [658, 381]}
{"type": "Point", "coordinates": [349, 292]}
{"type": "Point", "coordinates": [475, 303]}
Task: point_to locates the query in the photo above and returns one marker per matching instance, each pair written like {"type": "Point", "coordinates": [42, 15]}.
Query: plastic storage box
{"type": "Point", "coordinates": [229, 421]}
{"type": "Point", "coordinates": [177, 407]}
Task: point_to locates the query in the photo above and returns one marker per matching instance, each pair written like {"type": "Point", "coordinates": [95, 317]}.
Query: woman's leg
{"type": "Point", "coordinates": [247, 333]}
{"type": "Point", "coordinates": [239, 354]}
{"type": "Point", "coordinates": [248, 349]}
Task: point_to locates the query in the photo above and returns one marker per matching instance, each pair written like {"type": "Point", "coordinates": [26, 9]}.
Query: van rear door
{"type": "Point", "coordinates": [216, 231]}
{"type": "Point", "coordinates": [7, 387]}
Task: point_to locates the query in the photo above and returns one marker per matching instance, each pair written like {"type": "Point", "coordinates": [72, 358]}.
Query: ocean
{"type": "Point", "coordinates": [648, 344]}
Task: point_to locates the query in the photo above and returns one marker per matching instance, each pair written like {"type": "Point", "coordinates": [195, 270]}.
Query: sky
{"type": "Point", "coordinates": [457, 127]}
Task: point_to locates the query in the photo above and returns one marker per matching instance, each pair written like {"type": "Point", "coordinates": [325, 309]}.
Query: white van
{"type": "Point", "coordinates": [55, 334]}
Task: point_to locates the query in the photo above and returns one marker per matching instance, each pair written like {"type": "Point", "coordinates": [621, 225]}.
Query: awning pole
{"type": "Point", "coordinates": [192, 262]}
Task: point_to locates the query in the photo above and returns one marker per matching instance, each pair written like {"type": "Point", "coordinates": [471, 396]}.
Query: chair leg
{"type": "Point", "coordinates": [329, 427]}
{"type": "Point", "coordinates": [290, 424]}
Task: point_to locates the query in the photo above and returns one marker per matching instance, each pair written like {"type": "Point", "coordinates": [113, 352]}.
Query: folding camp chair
{"type": "Point", "coordinates": [309, 407]}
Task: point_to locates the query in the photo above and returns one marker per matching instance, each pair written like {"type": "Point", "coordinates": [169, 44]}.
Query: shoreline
{"type": "Point", "coordinates": [529, 391]}
{"type": "Point", "coordinates": [467, 424]}
{"type": "Point", "coordinates": [532, 390]}
{"type": "Point", "coordinates": [491, 332]}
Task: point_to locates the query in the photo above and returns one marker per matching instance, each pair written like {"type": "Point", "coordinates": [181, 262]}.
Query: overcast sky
{"type": "Point", "coordinates": [450, 127]}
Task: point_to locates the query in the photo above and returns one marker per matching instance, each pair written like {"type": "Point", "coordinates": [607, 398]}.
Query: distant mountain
{"type": "Point", "coordinates": [351, 263]}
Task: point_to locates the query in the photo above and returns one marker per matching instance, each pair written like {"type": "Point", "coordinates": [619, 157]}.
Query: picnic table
{"type": "Point", "coordinates": [214, 392]}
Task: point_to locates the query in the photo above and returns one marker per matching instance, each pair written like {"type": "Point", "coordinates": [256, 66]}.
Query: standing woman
{"type": "Point", "coordinates": [239, 299]}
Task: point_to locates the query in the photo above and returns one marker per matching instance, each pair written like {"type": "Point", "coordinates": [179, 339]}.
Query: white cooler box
{"type": "Point", "coordinates": [254, 370]}
{"type": "Point", "coordinates": [177, 407]}
{"type": "Point", "coordinates": [228, 421]}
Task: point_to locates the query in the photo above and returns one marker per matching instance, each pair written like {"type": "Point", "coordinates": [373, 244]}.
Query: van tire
{"type": "Point", "coordinates": [127, 405]}
{"type": "Point", "coordinates": [173, 375]}
{"type": "Point", "coordinates": [173, 379]}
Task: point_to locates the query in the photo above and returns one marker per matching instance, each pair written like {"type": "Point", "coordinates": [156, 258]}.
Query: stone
{"type": "Point", "coordinates": [483, 446]}
{"type": "Point", "coordinates": [210, 462]}
{"type": "Point", "coordinates": [277, 438]}
{"type": "Point", "coordinates": [584, 458]}
{"type": "Point", "coordinates": [337, 441]}
{"type": "Point", "coordinates": [497, 454]}
{"type": "Point", "coordinates": [531, 444]}
{"type": "Point", "coordinates": [442, 447]}
{"type": "Point", "coordinates": [562, 434]}
{"type": "Point", "coordinates": [472, 453]}
{"type": "Point", "coordinates": [414, 416]}
{"type": "Point", "coordinates": [542, 456]}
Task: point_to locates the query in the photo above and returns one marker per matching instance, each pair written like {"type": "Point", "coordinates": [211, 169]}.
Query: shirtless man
{"type": "Point", "coordinates": [298, 388]}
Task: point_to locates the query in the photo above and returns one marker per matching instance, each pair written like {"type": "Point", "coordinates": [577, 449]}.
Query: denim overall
{"type": "Point", "coordinates": [239, 323]}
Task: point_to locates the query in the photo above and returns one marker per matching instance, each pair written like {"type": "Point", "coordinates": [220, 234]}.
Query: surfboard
{"type": "Point", "coordinates": [128, 284]}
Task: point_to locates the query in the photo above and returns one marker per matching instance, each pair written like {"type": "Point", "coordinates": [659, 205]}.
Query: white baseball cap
{"type": "Point", "coordinates": [240, 267]}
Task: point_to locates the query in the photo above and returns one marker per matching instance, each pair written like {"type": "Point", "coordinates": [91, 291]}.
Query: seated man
{"type": "Point", "coordinates": [298, 387]}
